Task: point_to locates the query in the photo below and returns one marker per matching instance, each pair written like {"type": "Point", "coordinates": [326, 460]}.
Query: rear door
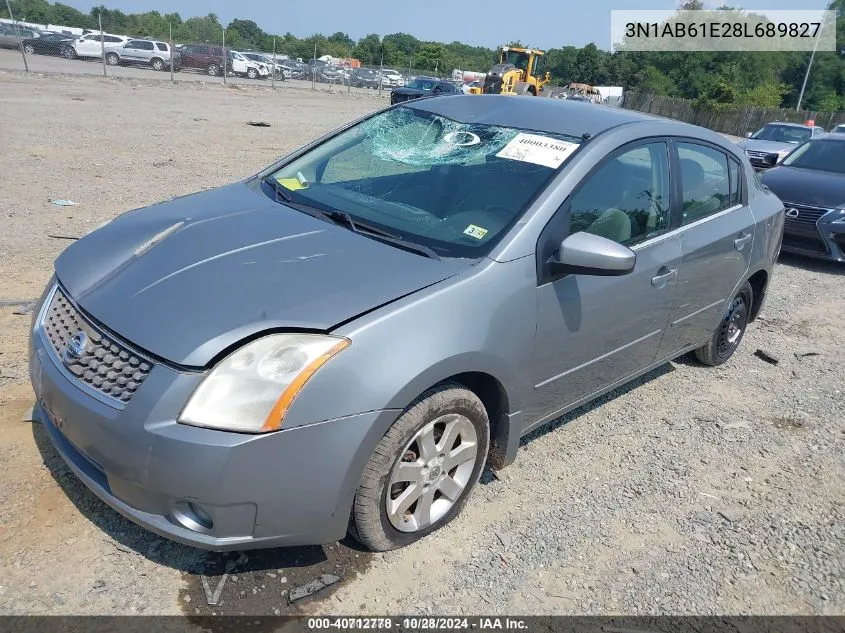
{"type": "Point", "coordinates": [717, 230]}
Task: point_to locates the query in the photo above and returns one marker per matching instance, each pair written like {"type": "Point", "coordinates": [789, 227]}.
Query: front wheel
{"type": "Point", "coordinates": [29, 49]}
{"type": "Point", "coordinates": [158, 64]}
{"type": "Point", "coordinates": [252, 73]}
{"type": "Point", "coordinates": [68, 52]}
{"type": "Point", "coordinates": [731, 329]}
{"type": "Point", "coordinates": [423, 469]}
{"type": "Point", "coordinates": [112, 59]}
{"type": "Point", "coordinates": [213, 69]}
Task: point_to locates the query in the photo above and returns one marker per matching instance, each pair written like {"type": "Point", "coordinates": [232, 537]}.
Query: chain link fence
{"type": "Point", "coordinates": [107, 51]}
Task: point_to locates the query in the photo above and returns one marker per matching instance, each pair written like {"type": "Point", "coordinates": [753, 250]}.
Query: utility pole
{"type": "Point", "coordinates": [807, 76]}
{"type": "Point", "coordinates": [102, 42]}
{"type": "Point", "coordinates": [274, 63]}
{"type": "Point", "coordinates": [172, 52]}
{"type": "Point", "coordinates": [224, 56]}
{"type": "Point", "coordinates": [23, 54]}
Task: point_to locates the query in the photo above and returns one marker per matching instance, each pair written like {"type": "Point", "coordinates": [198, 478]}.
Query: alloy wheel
{"type": "Point", "coordinates": [432, 472]}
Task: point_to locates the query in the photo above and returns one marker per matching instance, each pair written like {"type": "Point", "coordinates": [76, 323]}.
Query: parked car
{"type": "Point", "coordinates": [245, 67]}
{"type": "Point", "coordinates": [839, 129]}
{"type": "Point", "coordinates": [391, 78]}
{"type": "Point", "coordinates": [277, 361]}
{"type": "Point", "coordinates": [365, 78]}
{"type": "Point", "coordinates": [772, 142]}
{"type": "Point", "coordinates": [811, 183]}
{"type": "Point", "coordinates": [267, 61]}
{"type": "Point", "coordinates": [294, 69]}
{"type": "Point", "coordinates": [204, 57]}
{"type": "Point", "coordinates": [89, 46]}
{"type": "Point", "coordinates": [47, 44]}
{"type": "Point", "coordinates": [11, 36]}
{"type": "Point", "coordinates": [423, 87]}
{"type": "Point", "coordinates": [143, 52]}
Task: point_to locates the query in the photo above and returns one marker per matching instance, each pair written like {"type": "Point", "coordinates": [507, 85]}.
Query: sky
{"type": "Point", "coordinates": [491, 23]}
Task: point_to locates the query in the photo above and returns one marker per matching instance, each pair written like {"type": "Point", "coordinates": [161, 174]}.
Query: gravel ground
{"type": "Point", "coordinates": [695, 490]}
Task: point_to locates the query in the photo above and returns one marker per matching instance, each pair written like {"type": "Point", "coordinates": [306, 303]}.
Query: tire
{"type": "Point", "coordinates": [112, 59]}
{"type": "Point", "coordinates": [68, 52]}
{"type": "Point", "coordinates": [731, 329]}
{"type": "Point", "coordinates": [252, 73]}
{"type": "Point", "coordinates": [213, 70]}
{"type": "Point", "coordinates": [29, 49]}
{"type": "Point", "coordinates": [157, 64]}
{"type": "Point", "coordinates": [443, 412]}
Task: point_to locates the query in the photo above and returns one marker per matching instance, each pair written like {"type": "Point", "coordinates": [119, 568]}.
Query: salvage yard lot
{"type": "Point", "coordinates": [695, 490]}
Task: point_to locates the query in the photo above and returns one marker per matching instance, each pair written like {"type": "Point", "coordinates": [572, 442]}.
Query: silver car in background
{"type": "Point", "coordinates": [770, 144]}
{"type": "Point", "coordinates": [345, 340]}
{"type": "Point", "coordinates": [142, 52]}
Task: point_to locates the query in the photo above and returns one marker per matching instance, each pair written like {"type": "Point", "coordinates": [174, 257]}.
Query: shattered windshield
{"type": "Point", "coordinates": [452, 187]}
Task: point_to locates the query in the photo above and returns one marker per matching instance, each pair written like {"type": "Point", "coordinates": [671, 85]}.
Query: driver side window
{"type": "Point", "coordinates": [627, 199]}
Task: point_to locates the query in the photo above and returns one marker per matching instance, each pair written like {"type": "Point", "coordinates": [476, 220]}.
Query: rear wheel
{"type": "Point", "coordinates": [112, 59]}
{"type": "Point", "coordinates": [213, 70]}
{"type": "Point", "coordinates": [157, 64]}
{"type": "Point", "coordinates": [731, 329]}
{"type": "Point", "coordinates": [423, 469]}
{"type": "Point", "coordinates": [29, 49]}
{"type": "Point", "coordinates": [68, 52]}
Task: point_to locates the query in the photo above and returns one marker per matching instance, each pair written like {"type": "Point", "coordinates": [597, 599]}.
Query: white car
{"type": "Point", "coordinates": [392, 78]}
{"type": "Point", "coordinates": [247, 68]}
{"type": "Point", "coordinates": [260, 58]}
{"type": "Point", "coordinates": [89, 45]}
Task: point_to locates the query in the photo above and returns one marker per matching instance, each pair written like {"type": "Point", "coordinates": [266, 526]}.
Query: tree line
{"type": "Point", "coordinates": [723, 79]}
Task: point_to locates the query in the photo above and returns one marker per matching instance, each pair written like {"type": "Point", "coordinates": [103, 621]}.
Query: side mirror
{"type": "Point", "coordinates": [588, 254]}
{"type": "Point", "coordinates": [748, 135]}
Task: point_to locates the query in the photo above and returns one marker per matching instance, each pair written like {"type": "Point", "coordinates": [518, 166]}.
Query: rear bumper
{"type": "Point", "coordinates": [205, 488]}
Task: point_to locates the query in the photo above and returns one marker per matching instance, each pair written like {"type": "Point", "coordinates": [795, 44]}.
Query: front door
{"type": "Point", "coordinates": [595, 331]}
{"type": "Point", "coordinates": [717, 231]}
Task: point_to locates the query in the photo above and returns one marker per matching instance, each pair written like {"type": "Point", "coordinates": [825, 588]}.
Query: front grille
{"type": "Point", "coordinates": [104, 365]}
{"type": "Point", "coordinates": [804, 243]}
{"type": "Point", "coordinates": [758, 159]}
{"type": "Point", "coordinates": [807, 216]}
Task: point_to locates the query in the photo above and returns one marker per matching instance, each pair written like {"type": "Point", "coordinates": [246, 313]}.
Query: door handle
{"type": "Point", "coordinates": [663, 276]}
{"type": "Point", "coordinates": [742, 240]}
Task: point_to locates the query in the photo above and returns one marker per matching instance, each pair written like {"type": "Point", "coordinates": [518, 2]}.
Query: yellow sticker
{"type": "Point", "coordinates": [475, 231]}
{"type": "Point", "coordinates": [291, 183]}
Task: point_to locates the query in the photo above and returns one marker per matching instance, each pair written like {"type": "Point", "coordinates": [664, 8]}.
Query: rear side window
{"type": "Point", "coordinates": [161, 47]}
{"type": "Point", "coordinates": [704, 180]}
{"type": "Point", "coordinates": [626, 199]}
{"type": "Point", "coordinates": [736, 182]}
{"type": "Point", "coordinates": [113, 39]}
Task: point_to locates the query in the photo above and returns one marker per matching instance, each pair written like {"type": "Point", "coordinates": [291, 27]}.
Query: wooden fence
{"type": "Point", "coordinates": [736, 121]}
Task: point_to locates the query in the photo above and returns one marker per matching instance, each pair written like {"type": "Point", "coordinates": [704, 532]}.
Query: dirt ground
{"type": "Point", "coordinates": [693, 491]}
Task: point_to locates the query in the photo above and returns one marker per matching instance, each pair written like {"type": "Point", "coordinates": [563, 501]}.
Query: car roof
{"type": "Point", "coordinates": [790, 124]}
{"type": "Point", "coordinates": [555, 116]}
{"type": "Point", "coordinates": [830, 136]}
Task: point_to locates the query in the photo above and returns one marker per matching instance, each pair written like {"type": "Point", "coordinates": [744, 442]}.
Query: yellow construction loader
{"type": "Point", "coordinates": [520, 71]}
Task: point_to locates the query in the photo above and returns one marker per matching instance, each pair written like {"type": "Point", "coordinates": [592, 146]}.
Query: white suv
{"type": "Point", "coordinates": [89, 45]}
{"type": "Point", "coordinates": [248, 68]}
{"type": "Point", "coordinates": [146, 52]}
{"type": "Point", "coordinates": [392, 78]}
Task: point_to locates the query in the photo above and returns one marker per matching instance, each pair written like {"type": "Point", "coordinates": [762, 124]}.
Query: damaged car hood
{"type": "Point", "coordinates": [187, 278]}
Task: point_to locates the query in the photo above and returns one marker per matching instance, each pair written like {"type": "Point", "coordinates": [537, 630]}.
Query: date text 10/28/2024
{"type": "Point", "coordinates": [416, 623]}
{"type": "Point", "coordinates": [721, 29]}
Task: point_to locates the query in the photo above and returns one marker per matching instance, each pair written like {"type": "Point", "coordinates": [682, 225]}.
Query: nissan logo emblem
{"type": "Point", "coordinates": [792, 213]}
{"type": "Point", "coordinates": [75, 348]}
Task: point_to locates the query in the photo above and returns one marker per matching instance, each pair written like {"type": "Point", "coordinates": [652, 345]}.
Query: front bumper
{"type": "Point", "coordinates": [823, 239]}
{"type": "Point", "coordinates": [205, 488]}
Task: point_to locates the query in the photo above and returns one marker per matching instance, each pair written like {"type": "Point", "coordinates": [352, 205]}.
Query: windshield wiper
{"type": "Point", "coordinates": [342, 217]}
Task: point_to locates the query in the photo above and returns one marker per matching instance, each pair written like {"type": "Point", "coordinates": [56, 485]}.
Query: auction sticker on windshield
{"type": "Point", "coordinates": [539, 150]}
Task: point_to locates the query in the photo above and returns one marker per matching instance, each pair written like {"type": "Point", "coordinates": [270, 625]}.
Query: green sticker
{"type": "Point", "coordinates": [475, 231]}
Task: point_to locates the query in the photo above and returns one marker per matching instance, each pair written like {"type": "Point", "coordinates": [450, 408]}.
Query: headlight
{"type": "Point", "coordinates": [841, 218]}
{"type": "Point", "coordinates": [252, 389]}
